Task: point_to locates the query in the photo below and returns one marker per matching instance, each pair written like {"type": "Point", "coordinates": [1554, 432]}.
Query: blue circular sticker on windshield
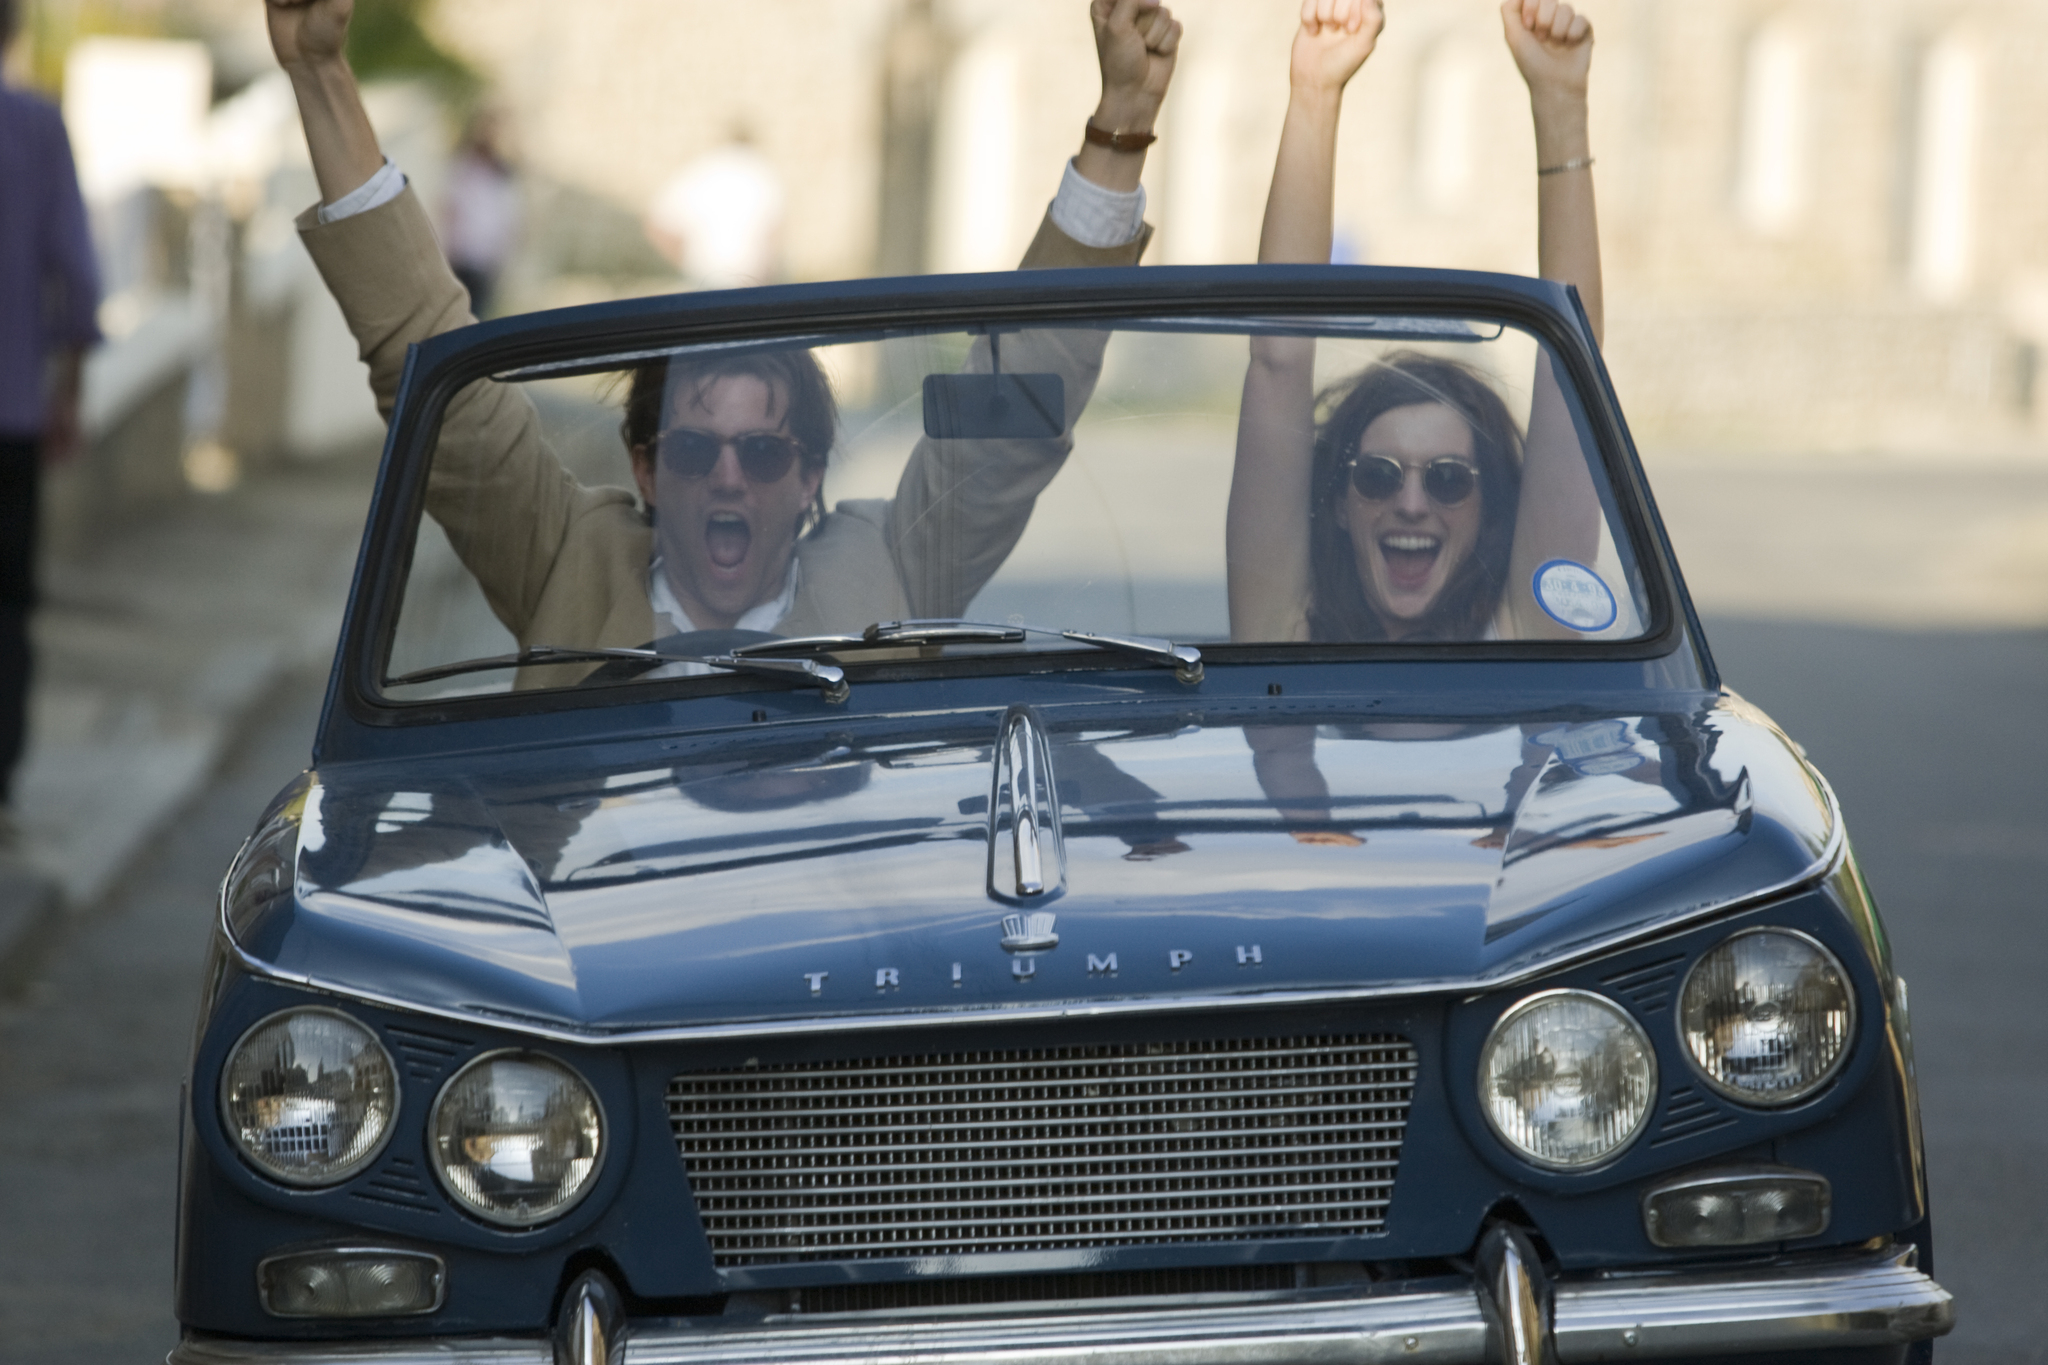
{"type": "Point", "coordinates": [1573, 595]}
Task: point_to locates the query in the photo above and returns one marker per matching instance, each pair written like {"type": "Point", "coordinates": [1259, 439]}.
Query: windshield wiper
{"type": "Point", "coordinates": [828, 679]}
{"type": "Point", "coordinates": [891, 635]}
{"type": "Point", "coordinates": [1184, 660]}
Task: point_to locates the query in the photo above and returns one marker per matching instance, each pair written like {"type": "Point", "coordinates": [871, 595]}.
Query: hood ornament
{"type": "Point", "coordinates": [1029, 933]}
{"type": "Point", "coordinates": [1027, 860]}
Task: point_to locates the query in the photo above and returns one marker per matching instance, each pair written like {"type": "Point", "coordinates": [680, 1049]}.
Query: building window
{"type": "Point", "coordinates": [1446, 90]}
{"type": "Point", "coordinates": [975, 207]}
{"type": "Point", "coordinates": [1941, 224]}
{"type": "Point", "coordinates": [1198, 167]}
{"type": "Point", "coordinates": [1771, 161]}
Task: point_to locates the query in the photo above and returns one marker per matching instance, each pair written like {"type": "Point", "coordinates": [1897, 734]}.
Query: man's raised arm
{"type": "Point", "coordinates": [962, 505]}
{"type": "Point", "coordinates": [1098, 216]}
{"type": "Point", "coordinates": [499, 493]}
{"type": "Point", "coordinates": [310, 38]}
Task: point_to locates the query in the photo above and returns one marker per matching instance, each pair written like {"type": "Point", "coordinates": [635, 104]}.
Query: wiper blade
{"type": "Point", "coordinates": [536, 654]}
{"type": "Point", "coordinates": [943, 631]}
{"type": "Point", "coordinates": [828, 679]}
{"type": "Point", "coordinates": [1184, 660]}
{"type": "Point", "coordinates": [891, 635]}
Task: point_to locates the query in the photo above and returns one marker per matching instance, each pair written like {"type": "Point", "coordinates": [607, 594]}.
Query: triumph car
{"type": "Point", "coordinates": [999, 941]}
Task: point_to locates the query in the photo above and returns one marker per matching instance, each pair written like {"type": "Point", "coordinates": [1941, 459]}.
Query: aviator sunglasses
{"type": "Point", "coordinates": [765, 456]}
{"type": "Point", "coordinates": [1447, 479]}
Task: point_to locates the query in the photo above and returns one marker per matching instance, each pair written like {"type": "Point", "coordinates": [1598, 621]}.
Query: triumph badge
{"type": "Point", "coordinates": [1030, 933]}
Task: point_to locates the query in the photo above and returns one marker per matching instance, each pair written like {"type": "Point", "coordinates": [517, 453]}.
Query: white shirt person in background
{"type": "Point", "coordinates": [480, 210]}
{"type": "Point", "coordinates": [720, 219]}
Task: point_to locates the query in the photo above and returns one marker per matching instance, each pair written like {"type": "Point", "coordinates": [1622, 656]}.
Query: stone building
{"type": "Point", "coordinates": [1826, 224]}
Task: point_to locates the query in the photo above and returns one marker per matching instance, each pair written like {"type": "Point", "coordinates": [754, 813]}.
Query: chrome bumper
{"type": "Point", "coordinates": [1862, 1301]}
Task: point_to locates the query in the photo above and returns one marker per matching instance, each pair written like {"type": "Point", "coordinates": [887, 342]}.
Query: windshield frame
{"type": "Point", "coordinates": [441, 367]}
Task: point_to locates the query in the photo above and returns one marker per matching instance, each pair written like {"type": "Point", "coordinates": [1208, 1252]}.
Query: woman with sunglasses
{"type": "Point", "coordinates": [726, 527]}
{"type": "Point", "coordinates": [1415, 508]}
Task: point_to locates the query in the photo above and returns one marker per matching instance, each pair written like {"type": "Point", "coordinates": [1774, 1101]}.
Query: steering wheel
{"type": "Point", "coordinates": [699, 643]}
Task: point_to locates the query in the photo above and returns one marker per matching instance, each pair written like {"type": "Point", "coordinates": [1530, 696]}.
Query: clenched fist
{"type": "Point", "coordinates": [1137, 43]}
{"type": "Point", "coordinates": [1335, 38]}
{"type": "Point", "coordinates": [1552, 44]}
{"type": "Point", "coordinates": [303, 32]}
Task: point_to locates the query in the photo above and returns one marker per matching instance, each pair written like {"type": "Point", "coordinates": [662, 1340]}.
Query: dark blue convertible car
{"type": "Point", "coordinates": [1165, 817]}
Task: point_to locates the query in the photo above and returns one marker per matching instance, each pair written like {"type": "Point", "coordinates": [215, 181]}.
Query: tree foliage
{"type": "Point", "coordinates": [390, 38]}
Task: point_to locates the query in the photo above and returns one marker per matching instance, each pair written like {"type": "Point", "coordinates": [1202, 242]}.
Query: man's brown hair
{"type": "Point", "coordinates": [794, 376]}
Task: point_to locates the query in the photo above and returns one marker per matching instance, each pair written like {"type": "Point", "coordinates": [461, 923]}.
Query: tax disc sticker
{"type": "Point", "coordinates": [1573, 595]}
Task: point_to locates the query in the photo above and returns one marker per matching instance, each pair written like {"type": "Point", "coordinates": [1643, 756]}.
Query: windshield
{"type": "Point", "coordinates": [1270, 482]}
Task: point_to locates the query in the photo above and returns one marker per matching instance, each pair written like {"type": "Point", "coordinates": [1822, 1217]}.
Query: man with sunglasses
{"type": "Point", "coordinates": [729, 530]}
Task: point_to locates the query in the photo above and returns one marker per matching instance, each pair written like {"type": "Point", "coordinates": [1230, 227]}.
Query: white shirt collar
{"type": "Point", "coordinates": [671, 619]}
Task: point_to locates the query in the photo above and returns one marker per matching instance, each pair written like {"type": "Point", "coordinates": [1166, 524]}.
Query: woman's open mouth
{"type": "Point", "coordinates": [726, 539]}
{"type": "Point", "coordinates": [1409, 557]}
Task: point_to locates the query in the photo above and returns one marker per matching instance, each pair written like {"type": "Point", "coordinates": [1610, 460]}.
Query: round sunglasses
{"type": "Point", "coordinates": [1447, 479]}
{"type": "Point", "coordinates": [764, 456]}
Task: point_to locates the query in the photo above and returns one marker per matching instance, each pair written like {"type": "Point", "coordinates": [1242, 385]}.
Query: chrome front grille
{"type": "Point", "coordinates": [1045, 1149]}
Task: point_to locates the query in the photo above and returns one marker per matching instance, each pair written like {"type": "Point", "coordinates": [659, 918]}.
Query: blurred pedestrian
{"type": "Point", "coordinates": [481, 212]}
{"type": "Point", "coordinates": [720, 219]}
{"type": "Point", "coordinates": [49, 296]}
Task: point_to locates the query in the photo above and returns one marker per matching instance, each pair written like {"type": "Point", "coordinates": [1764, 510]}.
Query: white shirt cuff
{"type": "Point", "coordinates": [380, 189]}
{"type": "Point", "coordinates": [1094, 216]}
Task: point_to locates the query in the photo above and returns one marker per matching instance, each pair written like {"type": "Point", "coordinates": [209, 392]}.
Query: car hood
{"type": "Point", "coordinates": [787, 877]}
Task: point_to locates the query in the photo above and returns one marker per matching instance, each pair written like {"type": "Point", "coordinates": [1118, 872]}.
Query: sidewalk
{"type": "Point", "coordinates": [152, 647]}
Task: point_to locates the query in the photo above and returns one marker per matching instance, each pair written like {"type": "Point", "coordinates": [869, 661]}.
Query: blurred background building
{"type": "Point", "coordinates": [1826, 223]}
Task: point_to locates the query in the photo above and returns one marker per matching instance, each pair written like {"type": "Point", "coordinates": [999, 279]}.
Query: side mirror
{"type": "Point", "coordinates": [988, 407]}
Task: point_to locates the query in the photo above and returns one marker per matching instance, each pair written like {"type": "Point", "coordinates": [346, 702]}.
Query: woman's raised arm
{"type": "Point", "coordinates": [1559, 516]}
{"type": "Point", "coordinates": [1553, 48]}
{"type": "Point", "coordinates": [1267, 531]}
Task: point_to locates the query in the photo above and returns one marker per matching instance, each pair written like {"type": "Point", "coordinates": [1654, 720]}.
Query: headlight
{"type": "Point", "coordinates": [1767, 1016]}
{"type": "Point", "coordinates": [309, 1096]}
{"type": "Point", "coordinates": [1567, 1079]}
{"type": "Point", "coordinates": [517, 1138]}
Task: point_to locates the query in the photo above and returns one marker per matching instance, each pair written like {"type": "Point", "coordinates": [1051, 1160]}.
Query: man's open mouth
{"type": "Point", "coordinates": [726, 538]}
{"type": "Point", "coordinates": [1409, 557]}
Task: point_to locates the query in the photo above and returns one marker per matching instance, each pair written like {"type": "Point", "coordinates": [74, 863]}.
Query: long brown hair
{"type": "Point", "coordinates": [1340, 610]}
{"type": "Point", "coordinates": [794, 375]}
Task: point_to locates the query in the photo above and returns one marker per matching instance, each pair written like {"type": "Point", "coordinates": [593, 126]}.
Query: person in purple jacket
{"type": "Point", "coordinates": [49, 294]}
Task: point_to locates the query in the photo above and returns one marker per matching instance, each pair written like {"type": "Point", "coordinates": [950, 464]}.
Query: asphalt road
{"type": "Point", "coordinates": [1937, 744]}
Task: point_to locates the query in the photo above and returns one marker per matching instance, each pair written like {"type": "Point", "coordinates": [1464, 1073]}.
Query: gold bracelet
{"type": "Point", "coordinates": [1580, 163]}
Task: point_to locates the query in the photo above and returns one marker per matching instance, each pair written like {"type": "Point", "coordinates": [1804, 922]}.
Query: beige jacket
{"type": "Point", "coordinates": [564, 564]}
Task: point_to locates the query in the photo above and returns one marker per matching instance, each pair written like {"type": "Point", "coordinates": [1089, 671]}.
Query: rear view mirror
{"type": "Point", "coordinates": [986, 407]}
